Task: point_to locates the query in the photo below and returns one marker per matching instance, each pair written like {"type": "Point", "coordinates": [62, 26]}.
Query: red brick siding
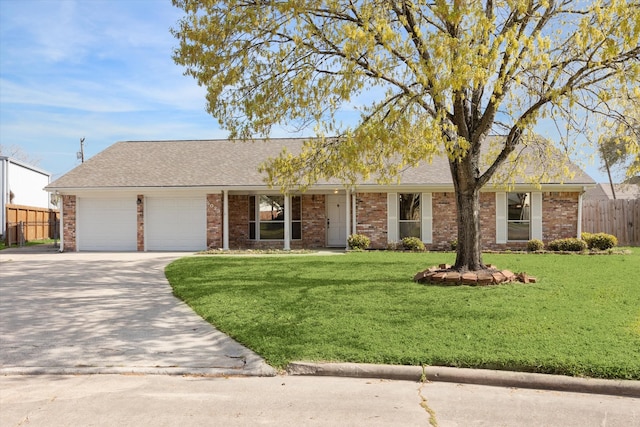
{"type": "Point", "coordinates": [238, 222]}
{"type": "Point", "coordinates": [214, 220]}
{"type": "Point", "coordinates": [314, 222]}
{"type": "Point", "coordinates": [69, 223]}
{"type": "Point", "coordinates": [559, 215]}
{"type": "Point", "coordinates": [371, 215]}
{"type": "Point", "coordinates": [140, 223]}
{"type": "Point", "coordinates": [443, 225]}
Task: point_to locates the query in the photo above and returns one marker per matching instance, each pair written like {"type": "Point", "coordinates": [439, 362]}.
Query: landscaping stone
{"type": "Point", "coordinates": [491, 276]}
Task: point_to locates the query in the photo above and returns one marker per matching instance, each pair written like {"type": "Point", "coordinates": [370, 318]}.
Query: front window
{"type": "Point", "coordinates": [409, 219]}
{"type": "Point", "coordinates": [266, 217]}
{"type": "Point", "coordinates": [519, 216]}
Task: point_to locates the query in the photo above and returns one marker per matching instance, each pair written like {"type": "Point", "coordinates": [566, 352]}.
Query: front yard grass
{"type": "Point", "coordinates": [582, 318]}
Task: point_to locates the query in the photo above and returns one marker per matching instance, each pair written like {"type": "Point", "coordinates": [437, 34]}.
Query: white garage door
{"type": "Point", "coordinates": [106, 224]}
{"type": "Point", "coordinates": [175, 223]}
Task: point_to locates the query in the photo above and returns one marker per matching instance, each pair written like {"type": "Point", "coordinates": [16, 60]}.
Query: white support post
{"type": "Point", "coordinates": [354, 218]}
{"type": "Point", "coordinates": [225, 220]}
{"type": "Point", "coordinates": [579, 236]}
{"type": "Point", "coordinates": [347, 218]}
{"type": "Point", "coordinates": [287, 222]}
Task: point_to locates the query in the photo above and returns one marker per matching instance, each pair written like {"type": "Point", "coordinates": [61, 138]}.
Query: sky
{"type": "Point", "coordinates": [98, 70]}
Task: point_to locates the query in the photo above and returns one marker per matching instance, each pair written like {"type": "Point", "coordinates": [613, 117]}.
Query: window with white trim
{"type": "Point", "coordinates": [266, 217]}
{"type": "Point", "coordinates": [409, 217]}
{"type": "Point", "coordinates": [518, 216]}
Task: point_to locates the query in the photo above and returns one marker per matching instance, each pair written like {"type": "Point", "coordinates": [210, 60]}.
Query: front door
{"type": "Point", "coordinates": [336, 221]}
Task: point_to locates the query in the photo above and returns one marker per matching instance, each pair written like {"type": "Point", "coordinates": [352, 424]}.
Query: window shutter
{"type": "Point", "coordinates": [501, 217]}
{"type": "Point", "coordinates": [427, 218]}
{"type": "Point", "coordinates": [392, 217]}
{"type": "Point", "coordinates": [536, 216]}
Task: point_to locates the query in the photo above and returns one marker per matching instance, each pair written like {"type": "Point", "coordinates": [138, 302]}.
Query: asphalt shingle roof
{"type": "Point", "coordinates": [211, 163]}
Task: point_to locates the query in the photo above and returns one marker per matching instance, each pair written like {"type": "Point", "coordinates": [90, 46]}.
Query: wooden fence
{"type": "Point", "coordinates": [25, 223]}
{"type": "Point", "coordinates": [618, 217]}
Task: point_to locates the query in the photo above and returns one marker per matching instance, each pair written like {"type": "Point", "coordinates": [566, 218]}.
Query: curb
{"type": "Point", "coordinates": [261, 371]}
{"type": "Point", "coordinates": [626, 388]}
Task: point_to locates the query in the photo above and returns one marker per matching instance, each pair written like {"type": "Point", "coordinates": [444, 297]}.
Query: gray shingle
{"type": "Point", "coordinates": [215, 163]}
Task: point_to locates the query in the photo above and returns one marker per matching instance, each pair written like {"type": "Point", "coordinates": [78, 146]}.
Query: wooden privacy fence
{"type": "Point", "coordinates": [25, 223]}
{"type": "Point", "coordinates": [618, 217]}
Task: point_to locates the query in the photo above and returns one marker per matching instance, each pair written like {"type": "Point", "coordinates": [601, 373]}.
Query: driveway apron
{"type": "Point", "coordinates": [66, 313]}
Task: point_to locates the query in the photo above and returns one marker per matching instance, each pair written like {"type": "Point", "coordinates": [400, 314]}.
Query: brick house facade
{"type": "Point", "coordinates": [196, 195]}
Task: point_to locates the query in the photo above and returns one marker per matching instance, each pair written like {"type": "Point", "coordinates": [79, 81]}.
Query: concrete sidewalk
{"type": "Point", "coordinates": [84, 313]}
{"type": "Point", "coordinates": [161, 400]}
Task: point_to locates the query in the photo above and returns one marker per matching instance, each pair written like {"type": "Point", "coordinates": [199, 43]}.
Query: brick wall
{"type": "Point", "coordinates": [559, 215]}
{"type": "Point", "coordinates": [443, 225]}
{"type": "Point", "coordinates": [239, 222]}
{"type": "Point", "coordinates": [371, 215]}
{"type": "Point", "coordinates": [140, 223]}
{"type": "Point", "coordinates": [69, 223]}
{"type": "Point", "coordinates": [314, 222]}
{"type": "Point", "coordinates": [214, 220]}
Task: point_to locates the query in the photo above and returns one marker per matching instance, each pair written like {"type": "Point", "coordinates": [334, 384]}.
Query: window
{"type": "Point", "coordinates": [266, 217]}
{"type": "Point", "coordinates": [409, 218]}
{"type": "Point", "coordinates": [519, 216]}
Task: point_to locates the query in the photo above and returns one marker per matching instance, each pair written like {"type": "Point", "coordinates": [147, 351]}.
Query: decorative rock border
{"type": "Point", "coordinates": [445, 275]}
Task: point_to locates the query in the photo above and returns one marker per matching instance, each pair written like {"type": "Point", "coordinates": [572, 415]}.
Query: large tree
{"type": "Point", "coordinates": [429, 77]}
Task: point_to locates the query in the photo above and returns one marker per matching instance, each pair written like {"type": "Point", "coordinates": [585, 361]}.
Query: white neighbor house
{"type": "Point", "coordinates": [21, 184]}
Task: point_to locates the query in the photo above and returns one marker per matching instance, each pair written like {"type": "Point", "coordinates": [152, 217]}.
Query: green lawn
{"type": "Point", "coordinates": [582, 318]}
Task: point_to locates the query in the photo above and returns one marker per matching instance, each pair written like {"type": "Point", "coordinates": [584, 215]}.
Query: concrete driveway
{"type": "Point", "coordinates": [84, 313]}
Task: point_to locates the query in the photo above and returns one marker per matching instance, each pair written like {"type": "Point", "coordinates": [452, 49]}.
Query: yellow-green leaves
{"type": "Point", "coordinates": [439, 76]}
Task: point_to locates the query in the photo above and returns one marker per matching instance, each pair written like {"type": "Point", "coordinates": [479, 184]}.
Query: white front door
{"type": "Point", "coordinates": [336, 221]}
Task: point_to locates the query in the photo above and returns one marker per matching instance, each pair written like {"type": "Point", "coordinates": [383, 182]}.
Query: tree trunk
{"type": "Point", "coordinates": [469, 249]}
{"type": "Point", "coordinates": [465, 175]}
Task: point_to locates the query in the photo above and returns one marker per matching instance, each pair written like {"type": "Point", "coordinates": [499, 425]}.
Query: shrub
{"type": "Point", "coordinates": [586, 237]}
{"type": "Point", "coordinates": [569, 245]}
{"type": "Point", "coordinates": [413, 244]}
{"type": "Point", "coordinates": [535, 245]}
{"type": "Point", "coordinates": [601, 241]}
{"type": "Point", "coordinates": [358, 242]}
{"type": "Point", "coordinates": [394, 246]}
{"type": "Point", "coordinates": [454, 244]}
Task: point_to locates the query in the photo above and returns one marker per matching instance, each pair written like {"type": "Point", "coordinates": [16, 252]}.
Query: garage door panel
{"type": "Point", "coordinates": [175, 223]}
{"type": "Point", "coordinates": [107, 224]}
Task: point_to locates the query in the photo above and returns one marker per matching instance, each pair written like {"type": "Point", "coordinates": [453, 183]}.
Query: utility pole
{"type": "Point", "coordinates": [80, 154]}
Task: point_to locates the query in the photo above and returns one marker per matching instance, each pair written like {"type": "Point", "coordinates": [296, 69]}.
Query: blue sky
{"type": "Point", "coordinates": [96, 69]}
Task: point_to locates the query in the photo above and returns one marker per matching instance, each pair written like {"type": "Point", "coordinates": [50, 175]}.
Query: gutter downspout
{"type": "Point", "coordinates": [61, 225]}
{"type": "Point", "coordinates": [4, 195]}
{"type": "Point", "coordinates": [580, 213]}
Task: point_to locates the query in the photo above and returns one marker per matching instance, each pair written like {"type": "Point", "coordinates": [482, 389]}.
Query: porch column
{"type": "Point", "coordinates": [225, 220]}
{"type": "Point", "coordinates": [347, 218]}
{"type": "Point", "coordinates": [287, 222]}
{"type": "Point", "coordinates": [354, 210]}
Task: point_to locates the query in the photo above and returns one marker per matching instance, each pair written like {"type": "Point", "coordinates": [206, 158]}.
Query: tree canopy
{"type": "Point", "coordinates": [428, 77]}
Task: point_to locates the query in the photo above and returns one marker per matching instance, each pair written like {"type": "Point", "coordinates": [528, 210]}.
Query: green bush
{"type": "Point", "coordinates": [586, 237]}
{"type": "Point", "coordinates": [358, 242]}
{"type": "Point", "coordinates": [454, 244]}
{"type": "Point", "coordinates": [534, 245]}
{"type": "Point", "coordinates": [601, 241]}
{"type": "Point", "coordinates": [413, 244]}
{"type": "Point", "coordinates": [568, 245]}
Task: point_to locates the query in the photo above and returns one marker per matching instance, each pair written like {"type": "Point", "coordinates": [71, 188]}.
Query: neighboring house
{"type": "Point", "coordinates": [21, 184]}
{"type": "Point", "coordinates": [603, 192]}
{"type": "Point", "coordinates": [194, 195]}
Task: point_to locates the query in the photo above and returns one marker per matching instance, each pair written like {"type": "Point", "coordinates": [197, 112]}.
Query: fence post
{"type": "Point", "coordinates": [21, 241]}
